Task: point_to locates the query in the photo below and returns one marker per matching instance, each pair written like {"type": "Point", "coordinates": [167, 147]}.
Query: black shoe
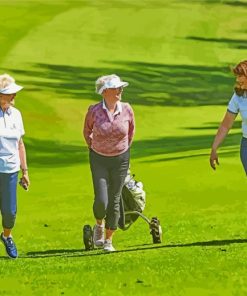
{"type": "Point", "coordinates": [9, 246]}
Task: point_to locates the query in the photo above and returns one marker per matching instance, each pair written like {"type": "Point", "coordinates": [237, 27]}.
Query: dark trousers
{"type": "Point", "coordinates": [243, 153]}
{"type": "Point", "coordinates": [8, 183]}
{"type": "Point", "coordinates": [108, 173]}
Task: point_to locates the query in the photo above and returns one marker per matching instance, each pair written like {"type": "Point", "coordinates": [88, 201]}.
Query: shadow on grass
{"type": "Point", "coordinates": [150, 84]}
{"type": "Point", "coordinates": [232, 43]}
{"type": "Point", "coordinates": [83, 253]}
{"type": "Point", "coordinates": [49, 153]}
{"type": "Point", "coordinates": [168, 145]}
{"type": "Point", "coordinates": [230, 3]}
{"type": "Point", "coordinates": [214, 126]}
{"type": "Point", "coordinates": [221, 2]}
{"type": "Point", "coordinates": [225, 153]}
{"type": "Point", "coordinates": [236, 3]}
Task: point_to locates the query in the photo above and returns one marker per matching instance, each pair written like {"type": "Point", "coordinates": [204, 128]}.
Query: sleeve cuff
{"type": "Point", "coordinates": [232, 111]}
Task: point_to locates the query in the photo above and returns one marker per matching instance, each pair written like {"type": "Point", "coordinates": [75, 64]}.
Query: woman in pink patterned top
{"type": "Point", "coordinates": [108, 130]}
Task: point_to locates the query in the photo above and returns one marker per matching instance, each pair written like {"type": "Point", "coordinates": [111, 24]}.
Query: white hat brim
{"type": "Point", "coordinates": [123, 84]}
{"type": "Point", "coordinates": [120, 84]}
{"type": "Point", "coordinates": [11, 89]}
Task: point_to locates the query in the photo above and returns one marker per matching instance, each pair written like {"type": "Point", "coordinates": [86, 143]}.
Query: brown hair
{"type": "Point", "coordinates": [240, 69]}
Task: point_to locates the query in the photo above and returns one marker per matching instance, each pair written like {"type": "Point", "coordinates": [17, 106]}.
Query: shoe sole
{"type": "Point", "coordinates": [109, 250]}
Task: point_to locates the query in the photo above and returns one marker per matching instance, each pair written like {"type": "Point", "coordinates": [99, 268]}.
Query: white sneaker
{"type": "Point", "coordinates": [108, 247]}
{"type": "Point", "coordinates": [98, 235]}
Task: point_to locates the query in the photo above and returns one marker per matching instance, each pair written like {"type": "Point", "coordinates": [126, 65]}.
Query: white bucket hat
{"type": "Point", "coordinates": [12, 88]}
{"type": "Point", "coordinates": [109, 81]}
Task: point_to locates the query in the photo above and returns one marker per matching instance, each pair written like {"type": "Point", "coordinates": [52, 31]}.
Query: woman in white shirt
{"type": "Point", "coordinates": [237, 104]}
{"type": "Point", "coordinates": [12, 159]}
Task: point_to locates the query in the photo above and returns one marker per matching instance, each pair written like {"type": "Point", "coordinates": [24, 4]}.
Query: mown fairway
{"type": "Point", "coordinates": [176, 56]}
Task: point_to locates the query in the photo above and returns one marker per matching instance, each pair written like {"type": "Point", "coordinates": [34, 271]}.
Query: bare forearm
{"type": "Point", "coordinates": [23, 160]}
{"type": "Point", "coordinates": [223, 130]}
{"type": "Point", "coordinates": [22, 154]}
{"type": "Point", "coordinates": [220, 136]}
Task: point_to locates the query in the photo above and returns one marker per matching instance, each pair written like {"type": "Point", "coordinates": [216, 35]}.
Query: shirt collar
{"type": "Point", "coordinates": [8, 111]}
{"type": "Point", "coordinates": [118, 108]}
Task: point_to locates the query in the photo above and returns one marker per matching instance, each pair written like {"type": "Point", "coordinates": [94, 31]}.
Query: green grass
{"type": "Point", "coordinates": [176, 56]}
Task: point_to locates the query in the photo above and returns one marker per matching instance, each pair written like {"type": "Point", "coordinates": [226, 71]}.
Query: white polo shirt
{"type": "Point", "coordinates": [238, 104]}
{"type": "Point", "coordinates": [11, 130]}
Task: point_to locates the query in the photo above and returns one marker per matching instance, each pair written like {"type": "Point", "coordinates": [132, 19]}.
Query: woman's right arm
{"type": "Point", "coordinates": [88, 127]}
{"type": "Point", "coordinates": [223, 130]}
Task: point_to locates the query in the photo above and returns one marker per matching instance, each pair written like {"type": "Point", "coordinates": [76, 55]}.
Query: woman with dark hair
{"type": "Point", "coordinates": [237, 104]}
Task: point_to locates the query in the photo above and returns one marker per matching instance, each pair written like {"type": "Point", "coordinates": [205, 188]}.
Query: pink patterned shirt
{"type": "Point", "coordinates": [109, 134]}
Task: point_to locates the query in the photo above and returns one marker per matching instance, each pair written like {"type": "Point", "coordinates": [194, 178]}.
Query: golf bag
{"type": "Point", "coordinates": [133, 200]}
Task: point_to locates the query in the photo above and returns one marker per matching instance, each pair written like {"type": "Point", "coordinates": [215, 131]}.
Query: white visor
{"type": "Point", "coordinates": [113, 83]}
{"type": "Point", "coordinates": [11, 89]}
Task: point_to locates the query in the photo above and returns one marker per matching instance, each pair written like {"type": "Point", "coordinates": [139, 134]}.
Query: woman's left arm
{"type": "Point", "coordinates": [131, 126]}
{"type": "Point", "coordinates": [23, 160]}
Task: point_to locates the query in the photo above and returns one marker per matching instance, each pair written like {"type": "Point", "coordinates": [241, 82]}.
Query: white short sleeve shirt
{"type": "Point", "coordinates": [238, 104]}
{"type": "Point", "coordinates": [11, 131]}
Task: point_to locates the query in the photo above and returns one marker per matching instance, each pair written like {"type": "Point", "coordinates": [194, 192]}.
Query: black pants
{"type": "Point", "coordinates": [108, 173]}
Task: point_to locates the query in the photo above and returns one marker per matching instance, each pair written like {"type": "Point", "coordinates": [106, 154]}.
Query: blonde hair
{"type": "Point", "coordinates": [5, 80]}
{"type": "Point", "coordinates": [100, 82]}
